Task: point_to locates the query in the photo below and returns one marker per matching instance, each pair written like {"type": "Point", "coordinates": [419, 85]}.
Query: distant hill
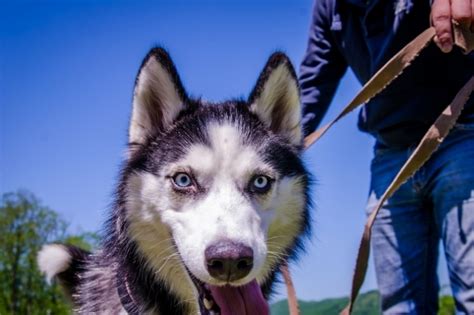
{"type": "Point", "coordinates": [367, 304]}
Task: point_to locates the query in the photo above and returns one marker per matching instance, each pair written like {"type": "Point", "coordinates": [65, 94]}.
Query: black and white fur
{"type": "Point", "coordinates": [156, 234]}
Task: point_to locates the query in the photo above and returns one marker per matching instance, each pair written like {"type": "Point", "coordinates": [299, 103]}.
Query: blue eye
{"type": "Point", "coordinates": [261, 184]}
{"type": "Point", "coordinates": [182, 180]}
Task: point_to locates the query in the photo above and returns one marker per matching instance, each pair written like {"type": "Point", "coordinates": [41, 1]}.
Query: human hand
{"type": "Point", "coordinates": [443, 12]}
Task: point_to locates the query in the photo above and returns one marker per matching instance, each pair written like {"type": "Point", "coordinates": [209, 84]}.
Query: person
{"type": "Point", "coordinates": [438, 201]}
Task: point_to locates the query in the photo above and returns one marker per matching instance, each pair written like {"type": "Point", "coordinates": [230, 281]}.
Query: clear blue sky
{"type": "Point", "coordinates": [66, 79]}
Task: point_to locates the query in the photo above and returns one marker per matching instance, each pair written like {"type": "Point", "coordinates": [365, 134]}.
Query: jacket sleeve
{"type": "Point", "coordinates": [321, 69]}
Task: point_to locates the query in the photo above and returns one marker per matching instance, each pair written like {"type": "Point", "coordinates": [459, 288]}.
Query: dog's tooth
{"type": "Point", "coordinates": [208, 303]}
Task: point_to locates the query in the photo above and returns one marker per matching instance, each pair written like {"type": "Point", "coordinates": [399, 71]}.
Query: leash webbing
{"type": "Point", "coordinates": [290, 288]}
{"type": "Point", "coordinates": [435, 135]}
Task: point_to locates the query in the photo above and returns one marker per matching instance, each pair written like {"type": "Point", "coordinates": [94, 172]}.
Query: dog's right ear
{"type": "Point", "coordinates": [275, 98]}
{"type": "Point", "coordinates": [158, 98]}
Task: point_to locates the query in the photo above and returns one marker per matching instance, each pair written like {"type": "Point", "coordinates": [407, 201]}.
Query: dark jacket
{"type": "Point", "coordinates": [365, 36]}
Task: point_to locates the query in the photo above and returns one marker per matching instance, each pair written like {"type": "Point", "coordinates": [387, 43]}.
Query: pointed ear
{"type": "Point", "coordinates": [275, 98]}
{"type": "Point", "coordinates": [158, 98]}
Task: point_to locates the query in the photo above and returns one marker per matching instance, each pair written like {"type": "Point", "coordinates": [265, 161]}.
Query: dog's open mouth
{"type": "Point", "coordinates": [230, 300]}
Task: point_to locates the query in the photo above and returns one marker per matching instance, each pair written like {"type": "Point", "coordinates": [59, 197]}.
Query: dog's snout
{"type": "Point", "coordinates": [229, 261]}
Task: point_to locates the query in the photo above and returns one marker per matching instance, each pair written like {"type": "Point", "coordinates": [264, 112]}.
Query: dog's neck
{"type": "Point", "coordinates": [127, 297]}
{"type": "Point", "coordinates": [131, 300]}
{"type": "Point", "coordinates": [139, 290]}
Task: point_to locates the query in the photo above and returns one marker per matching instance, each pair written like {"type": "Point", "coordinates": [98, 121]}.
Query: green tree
{"type": "Point", "coordinates": [446, 305]}
{"type": "Point", "coordinates": [25, 225]}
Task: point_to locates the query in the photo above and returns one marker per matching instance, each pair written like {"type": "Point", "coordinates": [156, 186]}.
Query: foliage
{"type": "Point", "coordinates": [366, 304]}
{"type": "Point", "coordinates": [25, 225]}
{"type": "Point", "coordinates": [446, 305]}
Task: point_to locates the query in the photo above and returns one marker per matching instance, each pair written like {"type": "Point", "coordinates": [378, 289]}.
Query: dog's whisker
{"type": "Point", "coordinates": [166, 261]}
{"type": "Point", "coordinates": [277, 255]}
{"type": "Point", "coordinates": [164, 253]}
{"type": "Point", "coordinates": [276, 237]}
{"type": "Point", "coordinates": [275, 246]}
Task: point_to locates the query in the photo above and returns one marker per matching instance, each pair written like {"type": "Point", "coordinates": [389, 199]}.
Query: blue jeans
{"type": "Point", "coordinates": [437, 203]}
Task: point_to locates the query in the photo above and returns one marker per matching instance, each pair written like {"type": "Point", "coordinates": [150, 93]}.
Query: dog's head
{"type": "Point", "coordinates": [216, 193]}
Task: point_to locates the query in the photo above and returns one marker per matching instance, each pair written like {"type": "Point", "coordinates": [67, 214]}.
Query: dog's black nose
{"type": "Point", "coordinates": [229, 261]}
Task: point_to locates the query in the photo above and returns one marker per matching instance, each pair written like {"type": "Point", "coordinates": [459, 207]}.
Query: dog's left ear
{"type": "Point", "coordinates": [275, 98]}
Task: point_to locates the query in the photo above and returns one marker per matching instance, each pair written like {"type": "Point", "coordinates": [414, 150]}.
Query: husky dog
{"type": "Point", "coordinates": [212, 199]}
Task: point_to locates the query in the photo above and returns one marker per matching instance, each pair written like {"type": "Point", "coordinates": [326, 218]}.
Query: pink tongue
{"type": "Point", "coordinates": [244, 300]}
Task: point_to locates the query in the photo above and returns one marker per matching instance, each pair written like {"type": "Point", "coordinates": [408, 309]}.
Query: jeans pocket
{"type": "Point", "coordinates": [372, 201]}
{"type": "Point", "coordinates": [387, 158]}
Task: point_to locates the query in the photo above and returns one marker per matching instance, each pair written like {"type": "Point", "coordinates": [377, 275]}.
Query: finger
{"type": "Point", "coordinates": [441, 19]}
{"type": "Point", "coordinates": [461, 11]}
